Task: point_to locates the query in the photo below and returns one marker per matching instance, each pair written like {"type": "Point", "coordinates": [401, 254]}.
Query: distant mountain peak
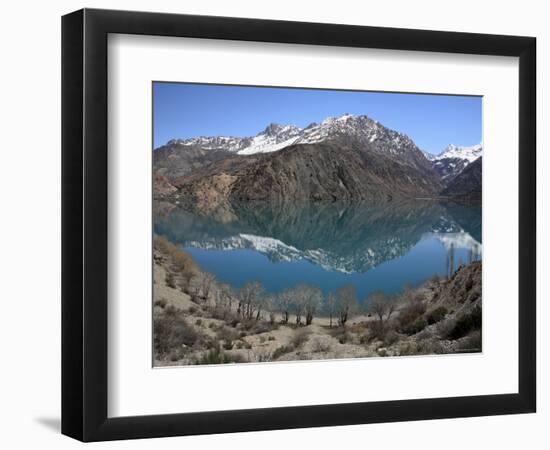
{"type": "Point", "coordinates": [273, 129]}
{"type": "Point", "coordinates": [454, 159]}
{"type": "Point", "coordinates": [470, 153]}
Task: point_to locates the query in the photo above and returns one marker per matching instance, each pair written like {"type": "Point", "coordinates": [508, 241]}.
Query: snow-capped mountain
{"type": "Point", "coordinates": [469, 154]}
{"type": "Point", "coordinates": [356, 262]}
{"type": "Point", "coordinates": [348, 157]}
{"type": "Point", "coordinates": [276, 137]}
{"type": "Point", "coordinates": [278, 251]}
{"type": "Point", "coordinates": [228, 143]}
{"type": "Point", "coordinates": [453, 160]}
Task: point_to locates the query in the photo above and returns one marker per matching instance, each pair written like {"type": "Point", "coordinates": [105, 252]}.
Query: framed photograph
{"type": "Point", "coordinates": [273, 224]}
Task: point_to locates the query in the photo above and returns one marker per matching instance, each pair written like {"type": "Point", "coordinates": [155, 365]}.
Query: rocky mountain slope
{"type": "Point", "coordinates": [347, 158]}
{"type": "Point", "coordinates": [467, 184]}
{"type": "Point", "coordinates": [453, 160]}
{"type": "Point", "coordinates": [172, 161]}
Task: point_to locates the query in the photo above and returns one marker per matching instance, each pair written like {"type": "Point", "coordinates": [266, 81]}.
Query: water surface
{"type": "Point", "coordinates": [373, 247]}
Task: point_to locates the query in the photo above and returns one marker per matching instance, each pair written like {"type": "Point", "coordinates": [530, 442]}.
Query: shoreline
{"type": "Point", "coordinates": [197, 322]}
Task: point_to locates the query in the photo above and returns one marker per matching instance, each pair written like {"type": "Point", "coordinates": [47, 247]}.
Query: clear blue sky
{"type": "Point", "coordinates": [189, 110]}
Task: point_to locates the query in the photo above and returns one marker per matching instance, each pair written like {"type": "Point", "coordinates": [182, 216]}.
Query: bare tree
{"type": "Point", "coordinates": [284, 304]}
{"type": "Point", "coordinates": [298, 303]}
{"type": "Point", "coordinates": [261, 303]}
{"type": "Point", "coordinates": [330, 306]}
{"type": "Point", "coordinates": [346, 303]}
{"type": "Point", "coordinates": [249, 296]}
{"type": "Point", "coordinates": [226, 295]}
{"type": "Point", "coordinates": [270, 305]}
{"type": "Point", "coordinates": [313, 297]}
{"type": "Point", "coordinates": [207, 281]}
{"type": "Point", "coordinates": [381, 305]}
{"type": "Point", "coordinates": [223, 299]}
{"type": "Point", "coordinates": [198, 287]}
{"type": "Point", "coordinates": [183, 265]}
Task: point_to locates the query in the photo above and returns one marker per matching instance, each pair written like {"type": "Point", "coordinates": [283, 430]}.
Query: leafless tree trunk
{"type": "Point", "coordinates": [382, 306]}
{"type": "Point", "coordinates": [346, 303]}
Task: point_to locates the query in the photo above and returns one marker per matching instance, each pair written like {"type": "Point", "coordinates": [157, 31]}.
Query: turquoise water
{"type": "Point", "coordinates": [383, 247]}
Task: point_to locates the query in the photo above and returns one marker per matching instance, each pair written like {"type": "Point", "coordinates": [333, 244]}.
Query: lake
{"type": "Point", "coordinates": [372, 247]}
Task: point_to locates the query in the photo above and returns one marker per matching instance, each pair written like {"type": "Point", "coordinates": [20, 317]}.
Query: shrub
{"type": "Point", "coordinates": [320, 344]}
{"type": "Point", "coordinates": [264, 356]}
{"type": "Point", "coordinates": [262, 327]}
{"type": "Point", "coordinates": [472, 342]}
{"type": "Point", "coordinates": [382, 331]}
{"type": "Point", "coordinates": [377, 330]}
{"type": "Point", "coordinates": [170, 280]}
{"type": "Point", "coordinates": [227, 344]}
{"type": "Point", "coordinates": [214, 356]}
{"type": "Point", "coordinates": [436, 315]}
{"type": "Point", "coordinates": [429, 347]}
{"type": "Point", "coordinates": [171, 331]}
{"type": "Point", "coordinates": [163, 245]}
{"type": "Point", "coordinates": [410, 313]}
{"type": "Point", "coordinates": [245, 324]}
{"type": "Point", "coordinates": [424, 335]}
{"type": "Point", "coordinates": [175, 355]}
{"type": "Point", "coordinates": [198, 322]}
{"type": "Point", "coordinates": [408, 348]}
{"type": "Point", "coordinates": [217, 356]}
{"type": "Point", "coordinates": [444, 328]}
{"type": "Point", "coordinates": [262, 339]}
{"type": "Point", "coordinates": [391, 337]}
{"type": "Point", "coordinates": [181, 260]}
{"type": "Point", "coordinates": [271, 338]}
{"type": "Point", "coordinates": [341, 334]}
{"type": "Point", "coordinates": [344, 337]}
{"type": "Point", "coordinates": [227, 334]}
{"type": "Point", "coordinates": [300, 337]}
{"type": "Point", "coordinates": [466, 323]}
{"type": "Point", "coordinates": [235, 358]}
{"type": "Point", "coordinates": [161, 302]}
{"type": "Point", "coordinates": [416, 327]}
{"type": "Point", "coordinates": [280, 351]}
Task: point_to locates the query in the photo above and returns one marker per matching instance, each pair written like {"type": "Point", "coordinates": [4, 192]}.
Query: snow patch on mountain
{"type": "Point", "coordinates": [268, 245]}
{"type": "Point", "coordinates": [274, 137]}
{"type": "Point", "coordinates": [227, 143]}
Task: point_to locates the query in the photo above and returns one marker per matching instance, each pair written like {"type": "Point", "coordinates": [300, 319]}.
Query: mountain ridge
{"type": "Point", "coordinates": [342, 158]}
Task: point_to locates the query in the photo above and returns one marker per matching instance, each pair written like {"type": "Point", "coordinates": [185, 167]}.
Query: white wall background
{"type": "Point", "coordinates": [30, 228]}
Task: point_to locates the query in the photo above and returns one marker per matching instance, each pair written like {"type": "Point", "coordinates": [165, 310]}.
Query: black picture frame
{"type": "Point", "coordinates": [84, 224]}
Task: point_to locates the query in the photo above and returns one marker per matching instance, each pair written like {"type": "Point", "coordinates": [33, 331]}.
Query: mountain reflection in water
{"type": "Point", "coordinates": [374, 247]}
